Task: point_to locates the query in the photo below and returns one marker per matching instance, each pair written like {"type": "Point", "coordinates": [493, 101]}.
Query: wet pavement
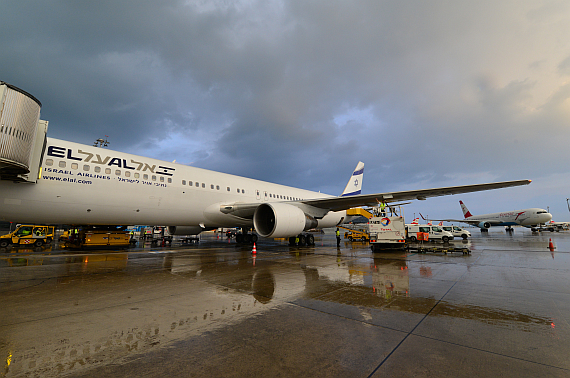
{"type": "Point", "coordinates": [214, 309]}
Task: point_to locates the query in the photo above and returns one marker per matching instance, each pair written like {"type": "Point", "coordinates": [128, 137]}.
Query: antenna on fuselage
{"type": "Point", "coordinates": [101, 143]}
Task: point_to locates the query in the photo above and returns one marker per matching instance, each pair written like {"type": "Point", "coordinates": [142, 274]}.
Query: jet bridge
{"type": "Point", "coordinates": [22, 135]}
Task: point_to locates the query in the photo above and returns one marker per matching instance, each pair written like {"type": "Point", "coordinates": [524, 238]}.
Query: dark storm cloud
{"type": "Point", "coordinates": [297, 92]}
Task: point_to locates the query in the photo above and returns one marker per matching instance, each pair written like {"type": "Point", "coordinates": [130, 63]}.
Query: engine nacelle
{"type": "Point", "coordinates": [184, 230]}
{"type": "Point", "coordinates": [484, 225]}
{"type": "Point", "coordinates": [279, 220]}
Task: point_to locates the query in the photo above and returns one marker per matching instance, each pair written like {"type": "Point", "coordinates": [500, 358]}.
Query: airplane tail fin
{"type": "Point", "coordinates": [466, 212]}
{"type": "Point", "coordinates": [354, 185]}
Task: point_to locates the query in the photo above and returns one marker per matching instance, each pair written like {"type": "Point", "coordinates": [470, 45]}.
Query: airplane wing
{"type": "Point", "coordinates": [343, 203]}
{"type": "Point", "coordinates": [246, 210]}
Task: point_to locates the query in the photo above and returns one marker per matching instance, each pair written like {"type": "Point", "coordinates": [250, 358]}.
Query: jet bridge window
{"type": "Point", "coordinates": [62, 164]}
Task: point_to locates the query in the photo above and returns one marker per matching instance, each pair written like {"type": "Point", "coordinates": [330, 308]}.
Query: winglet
{"type": "Point", "coordinates": [354, 185]}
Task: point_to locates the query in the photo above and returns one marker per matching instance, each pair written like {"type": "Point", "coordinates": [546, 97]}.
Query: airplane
{"type": "Point", "coordinates": [52, 181]}
{"type": "Point", "coordinates": [530, 218]}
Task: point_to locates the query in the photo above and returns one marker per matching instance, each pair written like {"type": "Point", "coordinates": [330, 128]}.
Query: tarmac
{"type": "Point", "coordinates": [215, 309]}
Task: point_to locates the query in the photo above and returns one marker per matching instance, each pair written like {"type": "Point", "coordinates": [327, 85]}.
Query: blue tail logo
{"type": "Point", "coordinates": [354, 185]}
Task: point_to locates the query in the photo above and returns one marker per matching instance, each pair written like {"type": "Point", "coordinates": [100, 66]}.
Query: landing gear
{"type": "Point", "coordinates": [245, 237]}
{"type": "Point", "coordinates": [302, 239]}
{"type": "Point", "coordinates": [484, 230]}
{"type": "Point", "coordinates": [509, 229]}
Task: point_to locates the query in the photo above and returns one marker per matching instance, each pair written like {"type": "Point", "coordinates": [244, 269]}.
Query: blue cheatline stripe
{"type": "Point", "coordinates": [351, 194]}
{"type": "Point", "coordinates": [358, 172]}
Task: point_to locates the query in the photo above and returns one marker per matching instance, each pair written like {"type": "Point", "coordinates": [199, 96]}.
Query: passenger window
{"type": "Point", "coordinates": [97, 169]}
{"type": "Point", "coordinates": [145, 177]}
{"type": "Point", "coordinates": [161, 178]}
{"type": "Point", "coordinates": [228, 188]}
{"type": "Point", "coordinates": [212, 186]}
{"type": "Point", "coordinates": [217, 187]}
{"type": "Point", "coordinates": [127, 174]}
{"type": "Point", "coordinates": [243, 191]}
{"type": "Point", "coordinates": [238, 190]}
{"type": "Point", "coordinates": [118, 172]}
{"type": "Point", "coordinates": [183, 182]}
{"type": "Point", "coordinates": [74, 166]}
{"type": "Point", "coordinates": [49, 162]}
{"type": "Point", "coordinates": [153, 178]}
{"type": "Point", "coordinates": [86, 167]}
{"type": "Point", "coordinates": [108, 171]}
{"type": "Point", "coordinates": [169, 180]}
{"type": "Point", "coordinates": [203, 185]}
{"type": "Point", "coordinates": [197, 184]}
{"type": "Point", "coordinates": [137, 175]}
{"type": "Point", "coordinates": [62, 164]}
{"type": "Point", "coordinates": [190, 183]}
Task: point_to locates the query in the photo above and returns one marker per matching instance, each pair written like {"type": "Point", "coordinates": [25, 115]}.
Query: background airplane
{"type": "Point", "coordinates": [531, 218]}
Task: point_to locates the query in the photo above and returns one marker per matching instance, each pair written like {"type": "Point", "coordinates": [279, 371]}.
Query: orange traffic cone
{"type": "Point", "coordinates": [550, 245]}
{"type": "Point", "coordinates": [254, 250]}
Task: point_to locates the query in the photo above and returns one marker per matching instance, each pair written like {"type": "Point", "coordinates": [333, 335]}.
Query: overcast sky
{"type": "Point", "coordinates": [425, 93]}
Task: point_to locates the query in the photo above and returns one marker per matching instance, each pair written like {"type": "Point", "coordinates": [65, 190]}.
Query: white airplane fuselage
{"type": "Point", "coordinates": [82, 184]}
{"type": "Point", "coordinates": [526, 217]}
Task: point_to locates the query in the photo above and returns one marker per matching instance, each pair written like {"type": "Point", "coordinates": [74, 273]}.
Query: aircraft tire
{"type": "Point", "coordinates": [247, 239]}
{"type": "Point", "coordinates": [310, 240]}
{"type": "Point", "coordinates": [302, 240]}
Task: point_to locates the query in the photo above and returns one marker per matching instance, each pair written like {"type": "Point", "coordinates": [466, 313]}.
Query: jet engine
{"type": "Point", "coordinates": [279, 220]}
{"type": "Point", "coordinates": [184, 230]}
{"type": "Point", "coordinates": [484, 225]}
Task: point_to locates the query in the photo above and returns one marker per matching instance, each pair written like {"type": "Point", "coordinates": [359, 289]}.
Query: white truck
{"type": "Point", "coordinates": [387, 231]}
{"type": "Point", "coordinates": [457, 231]}
{"type": "Point", "coordinates": [435, 232]}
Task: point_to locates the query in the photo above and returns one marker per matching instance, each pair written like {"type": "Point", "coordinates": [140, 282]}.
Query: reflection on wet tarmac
{"type": "Point", "coordinates": [72, 312]}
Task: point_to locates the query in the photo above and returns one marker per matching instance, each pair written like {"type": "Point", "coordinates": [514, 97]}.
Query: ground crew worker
{"type": "Point", "coordinates": [383, 209]}
{"type": "Point", "coordinates": [337, 237]}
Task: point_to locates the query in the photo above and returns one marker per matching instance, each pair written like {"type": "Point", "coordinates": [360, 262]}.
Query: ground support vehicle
{"type": "Point", "coordinates": [89, 237]}
{"type": "Point", "coordinates": [387, 232]}
{"type": "Point", "coordinates": [435, 232]}
{"type": "Point", "coordinates": [353, 234]}
{"type": "Point", "coordinates": [28, 235]}
{"type": "Point", "coordinates": [457, 232]}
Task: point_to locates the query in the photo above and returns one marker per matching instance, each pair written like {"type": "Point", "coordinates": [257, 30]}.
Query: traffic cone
{"type": "Point", "coordinates": [550, 245]}
{"type": "Point", "coordinates": [254, 250]}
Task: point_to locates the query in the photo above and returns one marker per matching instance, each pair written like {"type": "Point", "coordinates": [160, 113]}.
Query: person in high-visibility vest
{"type": "Point", "coordinates": [383, 208]}
{"type": "Point", "coordinates": [337, 237]}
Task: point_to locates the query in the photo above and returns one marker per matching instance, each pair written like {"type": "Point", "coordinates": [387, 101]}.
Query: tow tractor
{"type": "Point", "coordinates": [27, 235]}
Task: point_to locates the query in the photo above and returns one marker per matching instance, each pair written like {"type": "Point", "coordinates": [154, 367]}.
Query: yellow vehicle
{"type": "Point", "coordinates": [79, 237]}
{"type": "Point", "coordinates": [352, 234]}
{"type": "Point", "coordinates": [28, 235]}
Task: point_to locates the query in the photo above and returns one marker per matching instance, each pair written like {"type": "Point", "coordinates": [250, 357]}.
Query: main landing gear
{"type": "Point", "coordinates": [245, 237]}
{"type": "Point", "coordinates": [302, 239]}
{"type": "Point", "coordinates": [509, 229]}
